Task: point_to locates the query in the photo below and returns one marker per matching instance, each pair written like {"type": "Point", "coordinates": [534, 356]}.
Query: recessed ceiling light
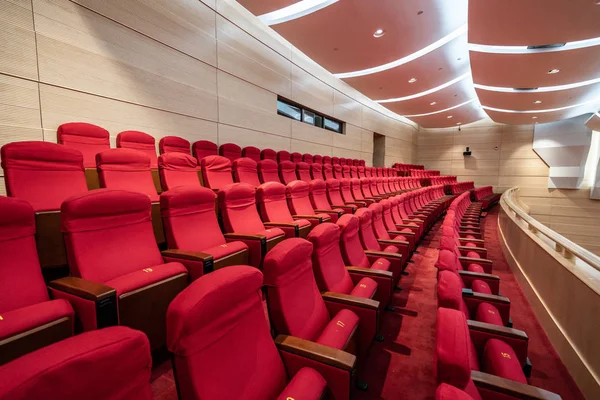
{"type": "Point", "coordinates": [534, 117]}
{"type": "Point", "coordinates": [554, 71]}
{"type": "Point", "coordinates": [459, 123]}
{"type": "Point", "coordinates": [412, 80]}
{"type": "Point", "coordinates": [379, 33]}
{"type": "Point", "coordinates": [433, 103]}
{"type": "Point", "coordinates": [294, 11]}
{"type": "Point", "coordinates": [537, 102]}
{"type": "Point", "coordinates": [449, 116]}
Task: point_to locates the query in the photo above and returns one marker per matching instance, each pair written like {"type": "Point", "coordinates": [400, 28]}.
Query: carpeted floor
{"type": "Point", "coordinates": [402, 367]}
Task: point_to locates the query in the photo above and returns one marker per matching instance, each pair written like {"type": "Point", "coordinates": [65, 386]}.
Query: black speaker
{"type": "Point", "coordinates": [467, 153]}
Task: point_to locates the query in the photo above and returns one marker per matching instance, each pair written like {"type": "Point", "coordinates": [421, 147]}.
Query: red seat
{"type": "Point", "coordinates": [308, 158]}
{"type": "Point", "coordinates": [126, 169]}
{"type": "Point", "coordinates": [283, 155]}
{"type": "Point", "coordinates": [448, 392]}
{"type": "Point", "coordinates": [139, 141]}
{"type": "Point", "coordinates": [204, 148]}
{"type": "Point", "coordinates": [316, 171]}
{"type": "Point", "coordinates": [382, 233]}
{"type": "Point", "coordinates": [297, 193]}
{"type": "Point", "coordinates": [89, 139]}
{"type": "Point", "coordinates": [231, 151]}
{"type": "Point", "coordinates": [342, 161]}
{"type": "Point", "coordinates": [327, 160]}
{"type": "Point", "coordinates": [245, 170]}
{"type": "Point", "coordinates": [303, 172]}
{"type": "Point", "coordinates": [370, 242]}
{"type": "Point", "coordinates": [334, 196]}
{"type": "Point", "coordinates": [346, 172]}
{"type": "Point", "coordinates": [318, 159]}
{"type": "Point", "coordinates": [169, 144]}
{"type": "Point", "coordinates": [287, 172]}
{"type": "Point", "coordinates": [111, 247]}
{"type": "Point", "coordinates": [355, 187]}
{"type": "Point", "coordinates": [318, 199]}
{"type": "Point", "coordinates": [216, 172]}
{"type": "Point", "coordinates": [337, 171]}
{"type": "Point", "coordinates": [268, 154]}
{"type": "Point", "coordinates": [268, 171]}
{"type": "Point", "coordinates": [335, 160]}
{"type": "Point", "coordinates": [353, 172]}
{"type": "Point", "coordinates": [178, 169]}
{"type": "Point", "coordinates": [252, 153]}
{"type": "Point", "coordinates": [391, 225]}
{"type": "Point", "coordinates": [328, 171]}
{"type": "Point", "coordinates": [25, 306]}
{"type": "Point", "coordinates": [69, 369]}
{"type": "Point", "coordinates": [186, 210]}
{"type": "Point", "coordinates": [296, 157]}
{"type": "Point", "coordinates": [223, 309]}
{"type": "Point", "coordinates": [237, 203]}
{"type": "Point", "coordinates": [273, 208]}
{"type": "Point", "coordinates": [475, 277]}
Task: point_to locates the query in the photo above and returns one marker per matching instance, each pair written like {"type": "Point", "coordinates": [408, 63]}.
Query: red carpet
{"type": "Point", "coordinates": [402, 367]}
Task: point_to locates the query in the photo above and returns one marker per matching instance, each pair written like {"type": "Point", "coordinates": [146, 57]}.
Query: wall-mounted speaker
{"type": "Point", "coordinates": [467, 152]}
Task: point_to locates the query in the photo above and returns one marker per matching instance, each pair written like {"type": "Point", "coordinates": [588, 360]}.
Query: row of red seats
{"type": "Point", "coordinates": [486, 196]}
{"type": "Point", "coordinates": [460, 187]}
{"type": "Point", "coordinates": [406, 167]}
{"type": "Point", "coordinates": [424, 173]}
{"type": "Point", "coordinates": [442, 180]}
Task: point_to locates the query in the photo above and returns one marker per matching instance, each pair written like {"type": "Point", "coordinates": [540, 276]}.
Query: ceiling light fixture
{"type": "Point", "coordinates": [426, 50]}
{"type": "Point", "coordinates": [441, 111]}
{"type": "Point", "coordinates": [459, 123]}
{"type": "Point", "coordinates": [554, 71]}
{"type": "Point", "coordinates": [294, 11]}
{"type": "Point", "coordinates": [433, 103]}
{"type": "Point", "coordinates": [412, 80]}
{"type": "Point", "coordinates": [426, 92]}
{"type": "Point", "coordinates": [580, 44]}
{"type": "Point", "coordinates": [540, 89]}
{"type": "Point", "coordinates": [537, 102]}
{"type": "Point", "coordinates": [534, 117]}
{"type": "Point", "coordinates": [379, 33]}
{"type": "Point", "coordinates": [449, 116]}
{"type": "Point", "coordinates": [540, 111]}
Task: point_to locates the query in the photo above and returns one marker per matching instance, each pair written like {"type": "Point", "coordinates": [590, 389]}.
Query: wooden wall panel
{"type": "Point", "coordinates": [17, 39]}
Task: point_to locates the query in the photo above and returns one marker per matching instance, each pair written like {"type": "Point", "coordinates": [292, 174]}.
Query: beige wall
{"type": "Point", "coordinates": [200, 70]}
{"type": "Point", "coordinates": [503, 157]}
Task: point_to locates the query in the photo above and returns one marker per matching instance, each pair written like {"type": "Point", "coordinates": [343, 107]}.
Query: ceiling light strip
{"type": "Point", "coordinates": [441, 111]}
{"type": "Point", "coordinates": [540, 111]}
{"type": "Point", "coordinates": [426, 50]}
{"type": "Point", "coordinates": [294, 11]}
{"type": "Point", "coordinates": [580, 44]}
{"type": "Point", "coordinates": [425, 93]}
{"type": "Point", "coordinates": [538, 90]}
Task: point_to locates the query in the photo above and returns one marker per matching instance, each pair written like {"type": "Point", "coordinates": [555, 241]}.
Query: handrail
{"type": "Point", "coordinates": [564, 245]}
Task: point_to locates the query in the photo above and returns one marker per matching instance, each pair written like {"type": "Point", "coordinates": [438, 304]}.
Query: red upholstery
{"type": "Point", "coordinates": [351, 248]}
{"type": "Point", "coordinates": [245, 170]}
{"type": "Point", "coordinates": [334, 194]}
{"type": "Point", "coordinates": [273, 206]}
{"type": "Point", "coordinates": [69, 369]}
{"type": "Point", "coordinates": [287, 172]}
{"type": "Point", "coordinates": [335, 160]}
{"type": "Point", "coordinates": [449, 392]}
{"type": "Point", "coordinates": [303, 172]}
{"type": "Point", "coordinates": [89, 139]}
{"type": "Point", "coordinates": [230, 151]}
{"type": "Point", "coordinates": [251, 152]}
{"type": "Point", "coordinates": [318, 159]}
{"type": "Point", "coordinates": [42, 173]}
{"type": "Point", "coordinates": [367, 235]}
{"type": "Point", "coordinates": [178, 169]}
{"type": "Point", "coordinates": [204, 148]}
{"type": "Point", "coordinates": [316, 170]}
{"type": "Point", "coordinates": [268, 154]}
{"type": "Point", "coordinates": [126, 169]}
{"type": "Point", "coordinates": [268, 171]}
{"type": "Point", "coordinates": [318, 198]}
{"type": "Point", "coordinates": [500, 359]}
{"type": "Point", "coordinates": [297, 193]}
{"type": "Point", "coordinates": [296, 157]}
{"type": "Point", "coordinates": [139, 141]}
{"type": "Point", "coordinates": [378, 225]}
{"type": "Point", "coordinates": [216, 172]}
{"type": "Point", "coordinates": [308, 158]}
{"type": "Point", "coordinates": [327, 160]}
{"type": "Point", "coordinates": [283, 155]}
{"type": "Point", "coordinates": [170, 144]}
{"type": "Point", "coordinates": [186, 210]}
{"type": "Point", "coordinates": [221, 318]}
{"type": "Point", "coordinates": [328, 171]}
{"type": "Point", "coordinates": [337, 171]}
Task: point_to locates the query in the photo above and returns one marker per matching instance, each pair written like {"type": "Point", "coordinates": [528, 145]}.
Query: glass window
{"type": "Point", "coordinates": [288, 110]}
{"type": "Point", "coordinates": [299, 113]}
{"type": "Point", "coordinates": [332, 125]}
{"type": "Point", "coordinates": [308, 117]}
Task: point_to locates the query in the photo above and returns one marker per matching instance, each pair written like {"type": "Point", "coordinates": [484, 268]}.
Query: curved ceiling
{"type": "Point", "coordinates": [424, 65]}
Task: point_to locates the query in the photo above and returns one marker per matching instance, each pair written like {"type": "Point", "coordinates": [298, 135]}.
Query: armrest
{"type": "Point", "coordinates": [401, 233]}
{"type": "Point", "coordinates": [244, 236]}
{"type": "Point", "coordinates": [187, 255]}
{"type": "Point", "coordinates": [307, 217]}
{"type": "Point", "coordinates": [394, 242]}
{"type": "Point", "coordinates": [477, 235]}
{"type": "Point", "coordinates": [476, 241]}
{"type": "Point", "coordinates": [190, 260]}
{"type": "Point", "coordinates": [343, 206]}
{"type": "Point", "coordinates": [358, 203]}
{"type": "Point", "coordinates": [479, 250]}
{"type": "Point", "coordinates": [474, 299]}
{"type": "Point", "coordinates": [349, 300]}
{"type": "Point", "coordinates": [276, 224]}
{"type": "Point", "coordinates": [511, 388]}
{"type": "Point", "coordinates": [492, 280]}
{"type": "Point", "coordinates": [496, 330]}
{"type": "Point", "coordinates": [415, 220]}
{"type": "Point", "coordinates": [382, 254]}
{"type": "Point", "coordinates": [328, 212]}
{"type": "Point", "coordinates": [81, 288]}
{"type": "Point", "coordinates": [472, 260]}
{"type": "Point", "coordinates": [376, 273]}
{"type": "Point", "coordinates": [316, 352]}
{"type": "Point", "coordinates": [484, 297]}
{"type": "Point", "coordinates": [400, 226]}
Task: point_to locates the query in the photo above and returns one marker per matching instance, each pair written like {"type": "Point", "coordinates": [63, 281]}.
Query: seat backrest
{"type": "Point", "coordinates": [268, 171]}
{"type": "Point", "coordinates": [342, 161]}
{"type": "Point", "coordinates": [178, 169]}
{"type": "Point", "coordinates": [449, 292]}
{"type": "Point", "coordinates": [353, 171]}
{"type": "Point", "coordinates": [328, 171]}
{"type": "Point", "coordinates": [223, 308]}
{"type": "Point", "coordinates": [297, 193]}
{"type": "Point", "coordinates": [333, 192]}
{"type": "Point", "coordinates": [361, 172]}
{"type": "Point", "coordinates": [296, 157]}
{"type": "Point", "coordinates": [230, 151]}
{"type": "Point", "coordinates": [307, 158]}
{"type": "Point", "coordinates": [303, 171]}
{"type": "Point", "coordinates": [287, 172]}
{"type": "Point", "coordinates": [283, 155]}
{"type": "Point", "coordinates": [126, 169]}
{"type": "Point", "coordinates": [89, 139]}
{"type": "Point", "coordinates": [346, 171]}
{"type": "Point", "coordinates": [185, 212]}
{"type": "Point", "coordinates": [42, 173]}
{"type": "Point", "coordinates": [318, 194]}
{"type": "Point", "coordinates": [21, 281]}
{"type": "Point", "coordinates": [245, 170]}
{"type": "Point", "coordinates": [204, 148]}
{"type": "Point", "coordinates": [139, 141]}
{"type": "Point", "coordinates": [316, 170]}
{"type": "Point", "coordinates": [355, 187]}
{"type": "Point", "coordinates": [366, 234]}
{"type": "Point", "coordinates": [346, 190]}
{"type": "Point", "coordinates": [251, 152]}
{"type": "Point", "coordinates": [350, 245]}
{"type": "Point", "coordinates": [170, 144]}
{"type": "Point", "coordinates": [327, 160]}
{"type": "Point", "coordinates": [69, 369]}
{"type": "Point", "coordinates": [272, 202]}
{"type": "Point", "coordinates": [295, 304]}
{"type": "Point", "coordinates": [268, 154]}
{"type": "Point", "coordinates": [335, 160]}
{"type": "Point", "coordinates": [108, 233]}
{"type": "Point", "coordinates": [237, 203]}
{"type": "Point", "coordinates": [216, 172]}
{"type": "Point", "coordinates": [388, 221]}
{"type": "Point", "coordinates": [328, 265]}
{"type": "Point", "coordinates": [356, 162]}
{"type": "Point", "coordinates": [337, 171]}
{"type": "Point", "coordinates": [318, 159]}
{"type": "Point", "coordinates": [452, 347]}
{"type": "Point", "coordinates": [378, 226]}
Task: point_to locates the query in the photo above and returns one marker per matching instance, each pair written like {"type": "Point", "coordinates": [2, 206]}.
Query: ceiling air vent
{"type": "Point", "coordinates": [546, 46]}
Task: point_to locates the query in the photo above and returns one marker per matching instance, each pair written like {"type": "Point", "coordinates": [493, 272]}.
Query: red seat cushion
{"type": "Point", "coordinates": [470, 244]}
{"type": "Point", "coordinates": [473, 254]}
{"type": "Point", "coordinates": [475, 268]}
{"type": "Point", "coordinates": [470, 237]}
{"type": "Point", "coordinates": [480, 286]}
{"type": "Point", "coordinates": [500, 359]}
{"type": "Point", "coordinates": [381, 264]}
{"type": "Point", "coordinates": [449, 392]}
{"type": "Point", "coordinates": [339, 330]}
{"type": "Point", "coordinates": [489, 314]}
{"type": "Point", "coordinates": [147, 276]}
{"type": "Point", "coordinates": [226, 249]}
{"type": "Point", "coordinates": [400, 237]}
{"type": "Point", "coordinates": [391, 249]}
{"type": "Point", "coordinates": [23, 319]}
{"type": "Point", "coordinates": [307, 384]}
{"type": "Point", "coordinates": [365, 288]}
{"type": "Point", "coordinates": [271, 233]}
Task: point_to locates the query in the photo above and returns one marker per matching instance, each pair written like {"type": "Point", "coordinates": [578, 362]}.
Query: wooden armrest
{"type": "Point", "coordinates": [479, 275]}
{"type": "Point", "coordinates": [472, 241]}
{"type": "Point", "coordinates": [475, 249]}
{"type": "Point", "coordinates": [415, 220]}
{"type": "Point", "coordinates": [511, 388]}
{"type": "Point", "coordinates": [369, 272]}
{"type": "Point", "coordinates": [473, 260]}
{"type": "Point", "coordinates": [386, 241]}
{"type": "Point", "coordinates": [477, 234]}
{"type": "Point", "coordinates": [401, 233]}
{"type": "Point", "coordinates": [342, 206]}
{"type": "Point", "coordinates": [383, 254]}
{"type": "Point", "coordinates": [81, 288]}
{"type": "Point", "coordinates": [307, 217]}
{"type": "Point", "coordinates": [328, 211]}
{"type": "Point", "coordinates": [315, 351]}
{"type": "Point", "coordinates": [351, 301]}
{"type": "Point", "coordinates": [490, 298]}
{"type": "Point", "coordinates": [187, 255]}
{"type": "Point", "coordinates": [496, 330]}
{"type": "Point", "coordinates": [285, 224]}
{"type": "Point", "coordinates": [357, 203]}
{"type": "Point", "coordinates": [242, 236]}
{"type": "Point", "coordinates": [400, 226]}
